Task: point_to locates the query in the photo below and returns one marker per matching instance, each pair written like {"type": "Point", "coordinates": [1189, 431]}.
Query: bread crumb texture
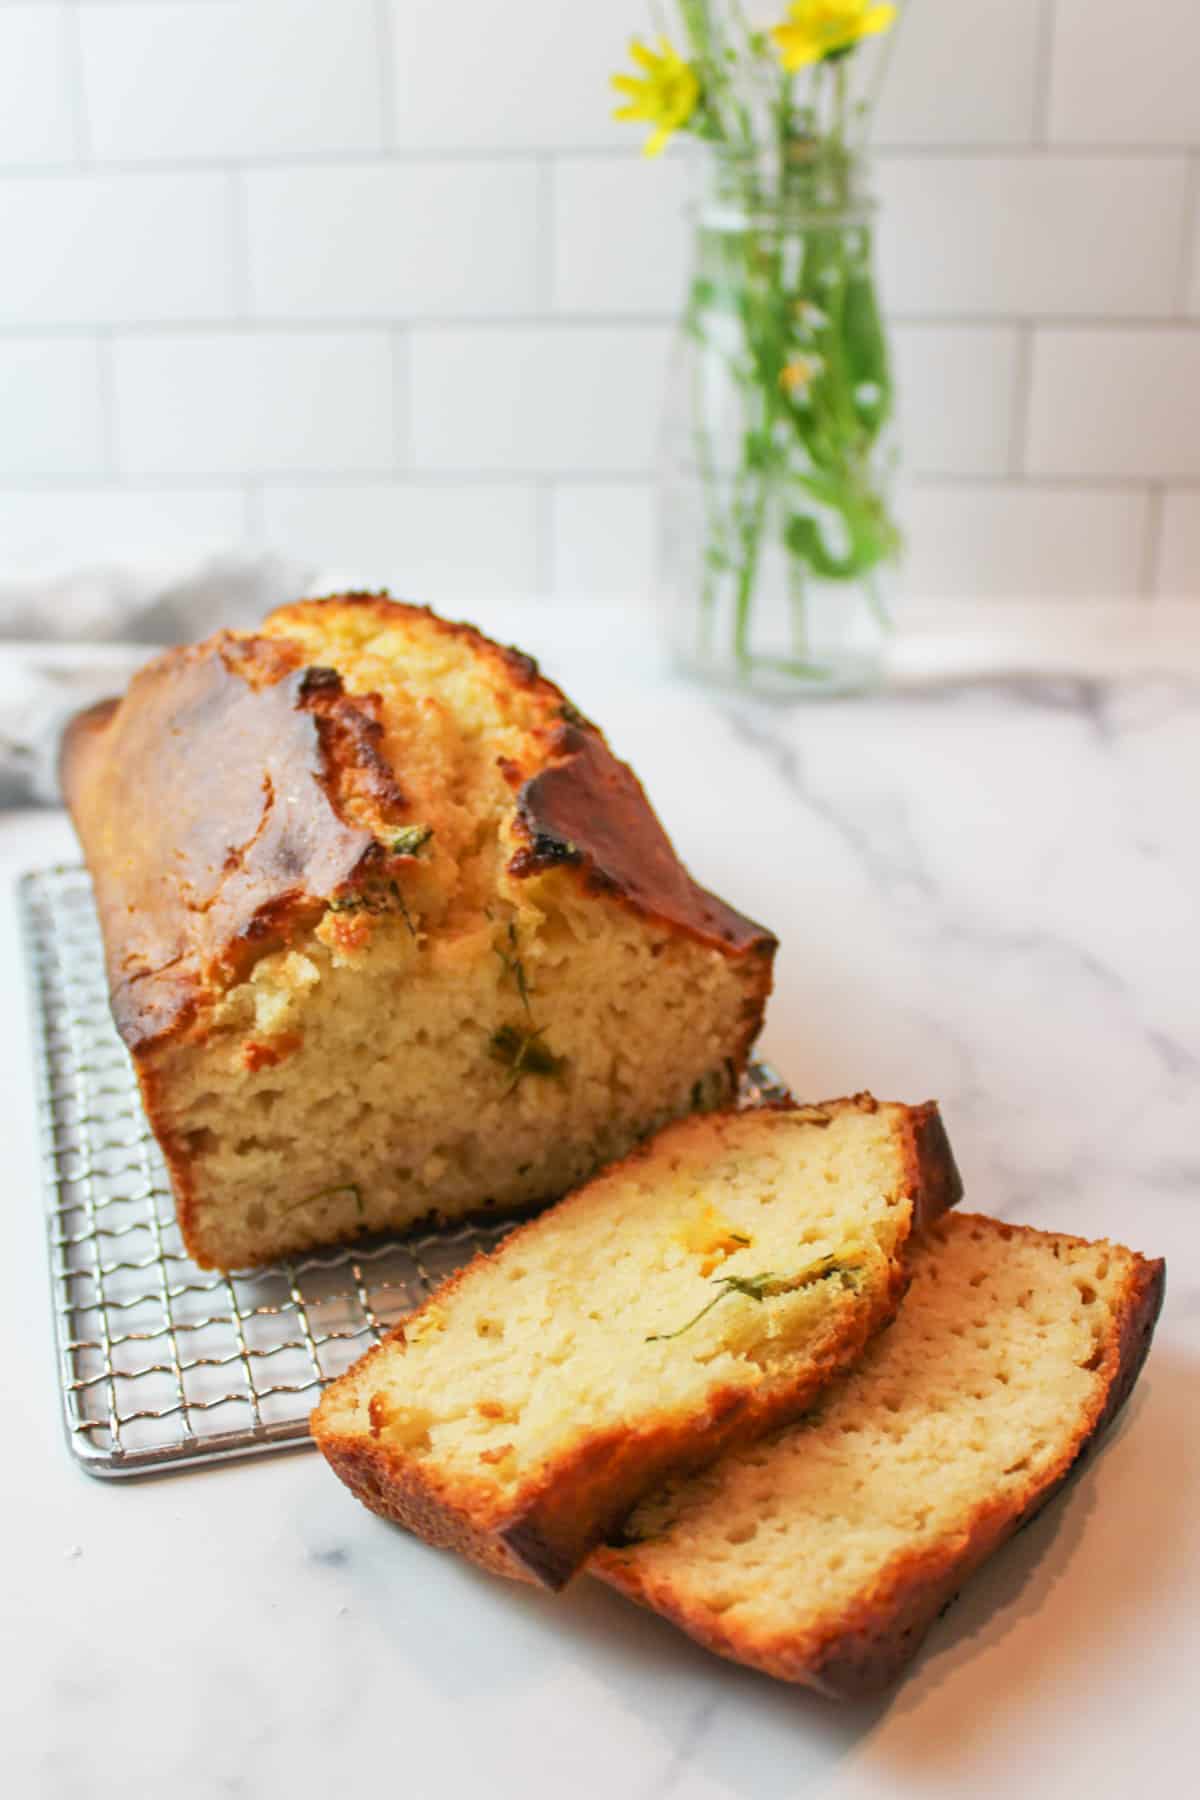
{"type": "Point", "coordinates": [444, 1036]}
{"type": "Point", "coordinates": [826, 1549]}
{"type": "Point", "coordinates": [721, 1274]}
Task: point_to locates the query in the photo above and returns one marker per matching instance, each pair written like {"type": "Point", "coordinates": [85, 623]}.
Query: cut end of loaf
{"type": "Point", "coordinates": [413, 1083]}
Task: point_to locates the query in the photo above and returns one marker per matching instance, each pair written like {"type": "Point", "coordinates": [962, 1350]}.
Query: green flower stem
{"type": "Point", "coordinates": [875, 599]}
{"type": "Point", "coordinates": [707, 42]}
{"type": "Point", "coordinates": [787, 305]}
{"type": "Point", "coordinates": [798, 607]}
{"type": "Point", "coordinates": [752, 531]}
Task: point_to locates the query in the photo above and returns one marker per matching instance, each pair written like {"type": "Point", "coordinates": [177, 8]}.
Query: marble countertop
{"type": "Point", "coordinates": [987, 889]}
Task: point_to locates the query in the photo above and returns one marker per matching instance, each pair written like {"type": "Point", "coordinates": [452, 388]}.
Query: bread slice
{"type": "Point", "coordinates": [823, 1555]}
{"type": "Point", "coordinates": [690, 1297]}
{"type": "Point", "coordinates": [391, 933]}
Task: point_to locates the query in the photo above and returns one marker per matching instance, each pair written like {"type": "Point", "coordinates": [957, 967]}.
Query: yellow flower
{"type": "Point", "coordinates": [665, 96]}
{"type": "Point", "coordinates": [816, 29]}
{"type": "Point", "coordinates": [799, 375]}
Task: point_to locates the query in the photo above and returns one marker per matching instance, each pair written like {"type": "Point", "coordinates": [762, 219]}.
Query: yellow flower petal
{"type": "Point", "coordinates": [815, 29]}
{"type": "Point", "coordinates": [665, 96]}
{"type": "Point", "coordinates": [796, 48]}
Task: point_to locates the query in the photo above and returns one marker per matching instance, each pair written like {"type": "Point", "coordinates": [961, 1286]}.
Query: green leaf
{"type": "Point", "coordinates": [513, 966]}
{"type": "Point", "coordinates": [522, 1053]}
{"type": "Point", "coordinates": [866, 351]}
{"type": "Point", "coordinates": [758, 450]}
{"type": "Point", "coordinates": [410, 840]}
{"type": "Point", "coordinates": [828, 489]}
{"type": "Point", "coordinates": [872, 536]}
{"type": "Point", "coordinates": [763, 1287]}
{"type": "Point", "coordinates": [375, 898]}
{"type": "Point", "coordinates": [803, 538]}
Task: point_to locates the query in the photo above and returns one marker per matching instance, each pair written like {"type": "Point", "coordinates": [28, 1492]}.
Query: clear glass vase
{"type": "Point", "coordinates": [778, 548]}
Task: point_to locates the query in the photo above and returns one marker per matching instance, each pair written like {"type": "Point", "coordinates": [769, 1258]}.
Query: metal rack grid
{"type": "Point", "coordinates": [163, 1364]}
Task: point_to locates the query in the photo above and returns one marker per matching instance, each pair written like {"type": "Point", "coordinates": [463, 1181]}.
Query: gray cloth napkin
{"type": "Point", "coordinates": [59, 620]}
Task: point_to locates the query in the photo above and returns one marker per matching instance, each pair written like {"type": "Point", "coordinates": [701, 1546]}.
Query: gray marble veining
{"type": "Point", "coordinates": [988, 891]}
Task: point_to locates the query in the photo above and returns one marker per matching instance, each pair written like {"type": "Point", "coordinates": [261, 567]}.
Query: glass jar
{"type": "Point", "coordinates": [778, 549]}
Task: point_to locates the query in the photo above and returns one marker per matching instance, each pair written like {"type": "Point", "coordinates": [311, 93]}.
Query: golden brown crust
{"type": "Point", "coordinates": [864, 1651]}
{"type": "Point", "coordinates": [935, 1177]}
{"type": "Point", "coordinates": [557, 1521]}
{"type": "Point", "coordinates": [398, 1490]}
{"type": "Point", "coordinates": [552, 1523]}
{"type": "Point", "coordinates": [209, 803]}
{"type": "Point", "coordinates": [216, 805]}
{"type": "Point", "coordinates": [589, 811]}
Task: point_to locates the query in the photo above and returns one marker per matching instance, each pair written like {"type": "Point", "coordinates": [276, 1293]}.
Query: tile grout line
{"type": "Point", "coordinates": [1044, 74]}
{"type": "Point", "coordinates": [545, 546]}
{"type": "Point", "coordinates": [945, 480]}
{"type": "Point", "coordinates": [107, 387]}
{"type": "Point", "coordinates": [544, 236]}
{"type": "Point", "coordinates": [1021, 399]}
{"type": "Point", "coordinates": [237, 199]}
{"type": "Point", "coordinates": [1187, 268]}
{"type": "Point", "coordinates": [80, 124]}
{"type": "Point", "coordinates": [469, 155]}
{"type": "Point", "coordinates": [1151, 550]}
{"type": "Point", "coordinates": [380, 323]}
{"type": "Point", "coordinates": [386, 52]}
{"type": "Point", "coordinates": [403, 441]}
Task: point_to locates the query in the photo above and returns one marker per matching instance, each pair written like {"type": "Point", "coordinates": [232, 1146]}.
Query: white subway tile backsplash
{"type": "Point", "coordinates": [1125, 74]}
{"type": "Point", "coordinates": [223, 403]}
{"type": "Point", "coordinates": [422, 292]}
{"type": "Point", "coordinates": [1115, 402]}
{"type": "Point", "coordinates": [538, 398]}
{"type": "Point", "coordinates": [1010, 542]}
{"type": "Point", "coordinates": [231, 78]}
{"type": "Point", "coordinates": [621, 235]}
{"type": "Point", "coordinates": [425, 541]}
{"type": "Point", "coordinates": [604, 540]}
{"type": "Point", "coordinates": [1031, 234]}
{"type": "Point", "coordinates": [105, 249]}
{"type": "Point", "coordinates": [479, 74]}
{"type": "Point", "coordinates": [961, 72]}
{"type": "Point", "coordinates": [376, 240]}
{"type": "Point", "coordinates": [82, 526]}
{"type": "Point", "coordinates": [1178, 573]}
{"type": "Point", "coordinates": [36, 123]}
{"type": "Point", "coordinates": [51, 416]}
{"type": "Point", "coordinates": [956, 391]}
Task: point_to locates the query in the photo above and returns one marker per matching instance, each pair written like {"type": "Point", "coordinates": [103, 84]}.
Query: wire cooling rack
{"type": "Point", "coordinates": [163, 1364]}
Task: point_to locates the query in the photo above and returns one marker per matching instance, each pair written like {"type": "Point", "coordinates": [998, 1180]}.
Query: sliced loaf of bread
{"type": "Point", "coordinates": [822, 1555]}
{"type": "Point", "coordinates": [391, 933]}
{"type": "Point", "coordinates": [691, 1297]}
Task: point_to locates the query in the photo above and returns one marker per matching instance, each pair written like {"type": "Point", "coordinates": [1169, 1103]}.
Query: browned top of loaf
{"type": "Point", "coordinates": [240, 785]}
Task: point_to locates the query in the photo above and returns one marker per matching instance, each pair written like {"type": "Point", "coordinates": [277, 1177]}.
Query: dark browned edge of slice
{"type": "Point", "coordinates": [872, 1648]}
{"type": "Point", "coordinates": [586, 1494]}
